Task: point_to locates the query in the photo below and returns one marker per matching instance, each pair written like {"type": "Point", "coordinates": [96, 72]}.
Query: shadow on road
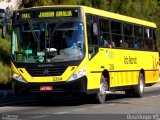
{"type": "Point", "coordinates": [31, 100]}
{"type": "Point", "coordinates": [54, 101]}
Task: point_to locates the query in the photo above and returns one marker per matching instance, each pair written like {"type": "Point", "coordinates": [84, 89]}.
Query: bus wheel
{"type": "Point", "coordinates": [101, 95]}
{"type": "Point", "coordinates": [139, 90]}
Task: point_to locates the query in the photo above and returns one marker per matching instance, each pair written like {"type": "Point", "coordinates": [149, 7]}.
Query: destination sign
{"type": "Point", "coordinates": [56, 13]}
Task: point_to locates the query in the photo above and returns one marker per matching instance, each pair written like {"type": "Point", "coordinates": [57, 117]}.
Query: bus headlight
{"type": "Point", "coordinates": [77, 74]}
{"type": "Point", "coordinates": [18, 77]}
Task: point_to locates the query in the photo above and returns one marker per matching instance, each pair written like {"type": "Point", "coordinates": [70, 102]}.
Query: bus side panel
{"type": "Point", "coordinates": [124, 66]}
{"type": "Point", "coordinates": [93, 81]}
{"type": "Point", "coordinates": [123, 78]}
{"type": "Point", "coordinates": [94, 72]}
{"type": "Point", "coordinates": [151, 76]}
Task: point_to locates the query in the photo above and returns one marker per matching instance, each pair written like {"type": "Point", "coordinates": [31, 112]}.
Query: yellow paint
{"type": "Point", "coordinates": [46, 14]}
{"type": "Point", "coordinates": [63, 13]}
{"type": "Point", "coordinates": [65, 76]}
{"type": "Point", "coordinates": [123, 65]}
{"type": "Point", "coordinates": [26, 15]}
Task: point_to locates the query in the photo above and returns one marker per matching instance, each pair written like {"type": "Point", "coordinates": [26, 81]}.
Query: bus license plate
{"type": "Point", "coordinates": [46, 88]}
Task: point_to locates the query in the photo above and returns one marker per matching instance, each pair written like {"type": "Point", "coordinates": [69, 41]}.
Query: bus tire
{"type": "Point", "coordinates": [101, 95]}
{"type": "Point", "coordinates": [139, 89]}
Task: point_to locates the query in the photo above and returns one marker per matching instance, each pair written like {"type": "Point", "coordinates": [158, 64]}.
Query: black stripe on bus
{"type": "Point", "coordinates": [123, 71]}
{"type": "Point", "coordinates": [96, 71]}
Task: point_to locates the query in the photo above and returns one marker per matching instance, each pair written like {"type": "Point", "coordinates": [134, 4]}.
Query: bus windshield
{"type": "Point", "coordinates": [34, 42]}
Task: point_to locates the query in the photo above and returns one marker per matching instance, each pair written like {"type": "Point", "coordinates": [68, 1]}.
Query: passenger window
{"type": "Point", "coordinates": [104, 25]}
{"type": "Point", "coordinates": [116, 28]}
{"type": "Point", "coordinates": [154, 40]}
{"type": "Point", "coordinates": [128, 36]}
{"type": "Point", "coordinates": [128, 29]}
{"type": "Point", "coordinates": [105, 40]}
{"type": "Point", "coordinates": [138, 38]}
{"type": "Point", "coordinates": [148, 38]}
{"type": "Point", "coordinates": [138, 31]}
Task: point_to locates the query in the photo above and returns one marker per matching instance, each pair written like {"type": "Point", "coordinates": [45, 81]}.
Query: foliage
{"type": "Point", "coordinates": [5, 46]}
{"type": "Point", "coordinates": [5, 76]}
{"type": "Point", "coordinates": [143, 9]}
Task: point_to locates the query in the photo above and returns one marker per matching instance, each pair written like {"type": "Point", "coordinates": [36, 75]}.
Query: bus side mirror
{"type": "Point", "coordinates": [95, 29]}
{"type": "Point", "coordinates": [4, 31]}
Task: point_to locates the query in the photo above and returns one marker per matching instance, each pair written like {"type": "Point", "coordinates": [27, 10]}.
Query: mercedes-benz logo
{"type": "Point", "coordinates": [45, 72]}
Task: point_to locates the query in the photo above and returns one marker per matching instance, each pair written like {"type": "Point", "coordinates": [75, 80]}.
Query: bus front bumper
{"type": "Point", "coordinates": [76, 86]}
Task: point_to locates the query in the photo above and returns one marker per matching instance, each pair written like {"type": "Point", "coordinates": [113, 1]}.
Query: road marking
{"type": "Point", "coordinates": [36, 117]}
{"type": "Point", "coordinates": [98, 106]}
{"type": "Point", "coordinates": [64, 112]}
{"type": "Point", "coordinates": [124, 101]}
{"type": "Point", "coordinates": [158, 95]}
{"type": "Point", "coordinates": [150, 96]}
{"type": "Point", "coordinates": [110, 104]}
{"type": "Point", "coordinates": [144, 98]}
{"type": "Point", "coordinates": [154, 96]}
{"type": "Point", "coordinates": [79, 109]}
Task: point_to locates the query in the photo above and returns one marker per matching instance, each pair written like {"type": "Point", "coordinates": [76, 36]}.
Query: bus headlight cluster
{"type": "Point", "coordinates": [77, 74]}
{"type": "Point", "coordinates": [18, 77]}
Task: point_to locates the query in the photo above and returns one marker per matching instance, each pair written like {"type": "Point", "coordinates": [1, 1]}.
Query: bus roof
{"type": "Point", "coordinates": [104, 13]}
{"type": "Point", "coordinates": [118, 16]}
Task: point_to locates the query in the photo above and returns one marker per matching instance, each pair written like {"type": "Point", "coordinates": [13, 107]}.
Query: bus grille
{"type": "Point", "coordinates": [54, 71]}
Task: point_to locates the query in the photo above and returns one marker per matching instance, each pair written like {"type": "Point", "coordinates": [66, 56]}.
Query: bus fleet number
{"type": "Point", "coordinates": [57, 79]}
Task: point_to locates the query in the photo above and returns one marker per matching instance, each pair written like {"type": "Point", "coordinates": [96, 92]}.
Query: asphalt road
{"type": "Point", "coordinates": [117, 107]}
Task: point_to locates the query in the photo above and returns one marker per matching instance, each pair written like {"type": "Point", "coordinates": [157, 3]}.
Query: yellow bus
{"type": "Point", "coordinates": [81, 50]}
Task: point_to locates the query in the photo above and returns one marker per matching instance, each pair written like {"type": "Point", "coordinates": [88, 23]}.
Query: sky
{"type": "Point", "coordinates": [12, 4]}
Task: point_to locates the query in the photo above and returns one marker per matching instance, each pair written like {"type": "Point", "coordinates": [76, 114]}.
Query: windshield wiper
{"type": "Point", "coordinates": [32, 30]}
{"type": "Point", "coordinates": [53, 31]}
